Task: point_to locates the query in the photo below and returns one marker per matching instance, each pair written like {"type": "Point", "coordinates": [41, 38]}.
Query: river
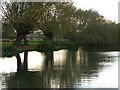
{"type": "Point", "coordinates": [61, 69]}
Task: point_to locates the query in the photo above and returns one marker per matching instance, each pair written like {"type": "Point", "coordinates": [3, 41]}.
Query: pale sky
{"type": "Point", "coordinates": [107, 8]}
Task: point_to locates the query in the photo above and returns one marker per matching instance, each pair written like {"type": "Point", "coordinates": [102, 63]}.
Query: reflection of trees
{"type": "Point", "coordinates": [21, 66]}
{"type": "Point", "coordinates": [25, 63]}
{"type": "Point", "coordinates": [19, 63]}
{"type": "Point", "coordinates": [49, 60]}
{"type": "Point", "coordinates": [79, 65]}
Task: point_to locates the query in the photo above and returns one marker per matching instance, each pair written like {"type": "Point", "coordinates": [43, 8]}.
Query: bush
{"type": "Point", "coordinates": [9, 51]}
{"type": "Point", "coordinates": [66, 44]}
{"type": "Point", "coordinates": [46, 46]}
{"type": "Point", "coordinates": [55, 45]}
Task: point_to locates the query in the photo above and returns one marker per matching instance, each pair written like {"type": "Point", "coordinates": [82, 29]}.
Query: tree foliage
{"type": "Point", "coordinates": [24, 17]}
{"type": "Point", "coordinates": [59, 18]}
{"type": "Point", "coordinates": [93, 29]}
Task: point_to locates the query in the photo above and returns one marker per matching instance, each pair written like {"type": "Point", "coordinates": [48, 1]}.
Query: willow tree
{"type": "Point", "coordinates": [57, 18]}
{"type": "Point", "coordinates": [67, 19]}
{"type": "Point", "coordinates": [23, 16]}
{"type": "Point", "coordinates": [26, 17]}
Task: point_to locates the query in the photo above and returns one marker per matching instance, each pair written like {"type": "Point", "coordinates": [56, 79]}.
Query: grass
{"type": "Point", "coordinates": [10, 43]}
{"type": "Point", "coordinates": [31, 46]}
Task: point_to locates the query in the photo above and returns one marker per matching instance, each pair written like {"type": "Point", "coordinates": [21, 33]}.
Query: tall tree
{"type": "Point", "coordinates": [50, 17]}
{"type": "Point", "coordinates": [24, 17]}
{"type": "Point", "coordinates": [57, 19]}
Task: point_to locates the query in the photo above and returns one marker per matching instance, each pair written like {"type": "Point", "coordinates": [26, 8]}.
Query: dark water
{"type": "Point", "coordinates": [61, 69]}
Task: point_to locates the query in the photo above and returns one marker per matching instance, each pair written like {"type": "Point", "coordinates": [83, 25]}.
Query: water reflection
{"type": "Point", "coordinates": [61, 69]}
{"type": "Point", "coordinates": [24, 65]}
{"type": "Point", "coordinates": [49, 60]}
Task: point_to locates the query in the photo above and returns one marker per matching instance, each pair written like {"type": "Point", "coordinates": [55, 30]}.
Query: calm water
{"type": "Point", "coordinates": [61, 69]}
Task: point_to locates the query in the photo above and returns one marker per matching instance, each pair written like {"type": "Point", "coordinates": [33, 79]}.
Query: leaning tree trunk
{"type": "Point", "coordinates": [49, 35]}
{"type": "Point", "coordinates": [19, 40]}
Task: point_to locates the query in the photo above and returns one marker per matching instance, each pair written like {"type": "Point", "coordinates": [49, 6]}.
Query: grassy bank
{"type": "Point", "coordinates": [46, 46]}
{"type": "Point", "coordinates": [41, 46]}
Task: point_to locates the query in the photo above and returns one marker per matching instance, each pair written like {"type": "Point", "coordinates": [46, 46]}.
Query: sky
{"type": "Point", "coordinates": [107, 8]}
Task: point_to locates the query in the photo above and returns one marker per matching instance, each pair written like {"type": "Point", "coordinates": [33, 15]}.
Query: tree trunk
{"type": "Point", "coordinates": [25, 63]}
{"type": "Point", "coordinates": [19, 63]}
{"type": "Point", "coordinates": [25, 40]}
{"type": "Point", "coordinates": [49, 59]}
{"type": "Point", "coordinates": [18, 40]}
{"type": "Point", "coordinates": [49, 35]}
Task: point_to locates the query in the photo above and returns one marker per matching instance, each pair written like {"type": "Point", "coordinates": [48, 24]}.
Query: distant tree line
{"type": "Point", "coordinates": [57, 20]}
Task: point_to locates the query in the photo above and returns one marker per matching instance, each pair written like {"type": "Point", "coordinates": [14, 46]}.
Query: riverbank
{"type": "Point", "coordinates": [42, 46]}
{"type": "Point", "coordinates": [45, 46]}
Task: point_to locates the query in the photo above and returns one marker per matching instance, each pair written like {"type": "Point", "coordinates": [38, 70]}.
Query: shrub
{"type": "Point", "coordinates": [9, 51]}
{"type": "Point", "coordinates": [46, 46]}
{"type": "Point", "coordinates": [55, 45]}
